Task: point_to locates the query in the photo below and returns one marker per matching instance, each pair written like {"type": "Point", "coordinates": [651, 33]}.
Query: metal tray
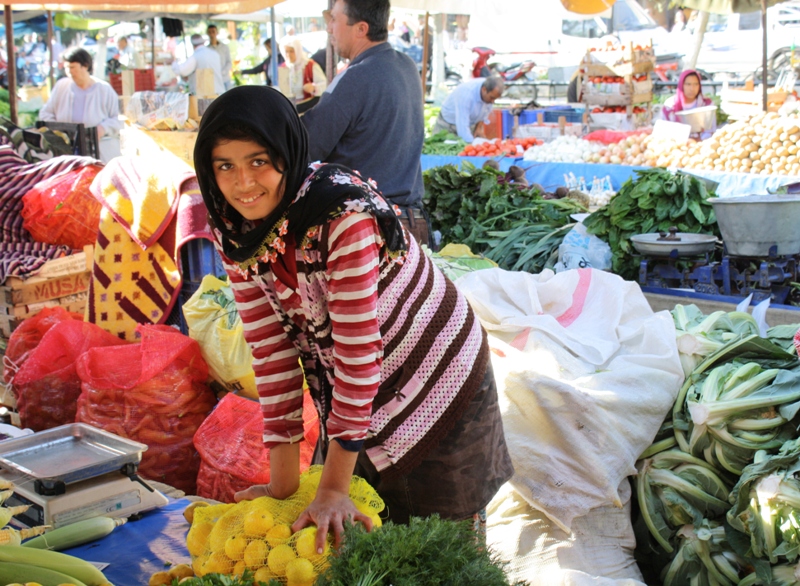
{"type": "Point", "coordinates": [688, 245]}
{"type": "Point", "coordinates": [69, 453]}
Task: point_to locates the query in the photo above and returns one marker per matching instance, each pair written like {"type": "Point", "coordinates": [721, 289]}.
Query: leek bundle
{"type": "Point", "coordinates": [699, 335]}
{"type": "Point", "coordinates": [675, 489]}
{"type": "Point", "coordinates": [767, 504]}
{"type": "Point", "coordinates": [704, 558]}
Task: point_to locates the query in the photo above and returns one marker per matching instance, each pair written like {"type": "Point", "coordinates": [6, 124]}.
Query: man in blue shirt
{"type": "Point", "coordinates": [468, 105]}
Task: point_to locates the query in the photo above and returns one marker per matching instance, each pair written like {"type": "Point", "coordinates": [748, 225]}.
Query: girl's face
{"type": "Point", "coordinates": [247, 178]}
{"type": "Point", "coordinates": [691, 87]}
{"type": "Point", "coordinates": [291, 56]}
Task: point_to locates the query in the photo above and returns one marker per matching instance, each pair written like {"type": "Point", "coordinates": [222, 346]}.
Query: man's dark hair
{"type": "Point", "coordinates": [211, 26]}
{"type": "Point", "coordinates": [374, 12]}
{"type": "Point", "coordinates": [80, 56]}
{"type": "Point", "coordinates": [492, 83]}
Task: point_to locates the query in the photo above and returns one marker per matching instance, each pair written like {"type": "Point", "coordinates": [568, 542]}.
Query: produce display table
{"type": "Point", "coordinates": [135, 140]}
{"type": "Point", "coordinates": [551, 175]}
{"type": "Point", "coordinates": [140, 548]}
{"type": "Point", "coordinates": [429, 161]}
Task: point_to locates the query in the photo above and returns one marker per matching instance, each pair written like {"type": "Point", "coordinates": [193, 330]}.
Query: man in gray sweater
{"type": "Point", "coordinates": [370, 118]}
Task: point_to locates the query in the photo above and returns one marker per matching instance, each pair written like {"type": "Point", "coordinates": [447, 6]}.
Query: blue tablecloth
{"type": "Point", "coordinates": [551, 175]}
{"type": "Point", "coordinates": [140, 548]}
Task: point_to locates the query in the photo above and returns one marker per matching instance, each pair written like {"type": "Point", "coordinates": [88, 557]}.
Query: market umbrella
{"type": "Point", "coordinates": [587, 6]}
{"type": "Point", "coordinates": [736, 6]}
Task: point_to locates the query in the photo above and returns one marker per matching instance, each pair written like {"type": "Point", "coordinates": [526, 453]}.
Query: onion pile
{"type": "Point", "coordinates": [564, 149]}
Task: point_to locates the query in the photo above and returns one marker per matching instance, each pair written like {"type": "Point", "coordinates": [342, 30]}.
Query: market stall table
{"type": "Point", "coordinates": [140, 548]}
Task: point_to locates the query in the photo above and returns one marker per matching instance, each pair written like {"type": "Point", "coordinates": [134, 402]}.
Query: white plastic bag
{"type": "Point", "coordinates": [581, 250]}
{"type": "Point", "coordinates": [585, 374]}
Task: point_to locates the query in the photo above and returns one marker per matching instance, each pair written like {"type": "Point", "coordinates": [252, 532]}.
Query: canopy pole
{"type": "Point", "coordinates": [50, 47]}
{"type": "Point", "coordinates": [153, 48]}
{"type": "Point", "coordinates": [273, 62]}
{"type": "Point", "coordinates": [11, 66]}
{"type": "Point", "coordinates": [765, 105]}
{"type": "Point", "coordinates": [425, 39]}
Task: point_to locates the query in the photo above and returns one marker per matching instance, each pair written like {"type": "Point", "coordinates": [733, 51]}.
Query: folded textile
{"type": "Point", "coordinates": [149, 211]}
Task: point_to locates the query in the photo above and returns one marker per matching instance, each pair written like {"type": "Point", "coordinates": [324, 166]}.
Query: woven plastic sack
{"type": "Point", "coordinates": [214, 322]}
{"type": "Point", "coordinates": [62, 210]}
{"type": "Point", "coordinates": [231, 447]}
{"type": "Point", "coordinates": [256, 535]}
{"type": "Point", "coordinates": [28, 335]}
{"type": "Point", "coordinates": [154, 392]}
{"type": "Point", "coordinates": [47, 386]}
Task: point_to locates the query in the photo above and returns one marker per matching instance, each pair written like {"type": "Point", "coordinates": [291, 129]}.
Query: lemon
{"type": "Point", "coordinates": [197, 565]}
{"type": "Point", "coordinates": [229, 524]}
{"type": "Point", "coordinates": [376, 521]}
{"type": "Point", "coordinates": [188, 512]}
{"type": "Point", "coordinates": [234, 546]}
{"type": "Point", "coordinates": [255, 554]}
{"type": "Point", "coordinates": [279, 557]}
{"type": "Point", "coordinates": [197, 537]}
{"type": "Point", "coordinates": [300, 572]}
{"type": "Point", "coordinates": [278, 535]}
{"type": "Point", "coordinates": [218, 563]}
{"type": "Point", "coordinates": [257, 522]}
{"type": "Point", "coordinates": [306, 543]}
{"type": "Point", "coordinates": [239, 568]}
{"type": "Point", "coordinates": [264, 575]}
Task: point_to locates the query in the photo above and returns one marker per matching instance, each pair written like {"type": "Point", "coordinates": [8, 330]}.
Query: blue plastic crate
{"type": "Point", "coordinates": [551, 115]}
{"type": "Point", "coordinates": [200, 258]}
{"type": "Point", "coordinates": [525, 117]}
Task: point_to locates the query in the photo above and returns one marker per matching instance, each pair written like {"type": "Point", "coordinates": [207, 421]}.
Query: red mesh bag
{"type": "Point", "coordinates": [154, 392]}
{"type": "Point", "coordinates": [28, 335]}
{"type": "Point", "coordinates": [612, 136]}
{"type": "Point", "coordinates": [231, 447]}
{"type": "Point", "coordinates": [47, 386]}
{"type": "Point", "coordinates": [62, 210]}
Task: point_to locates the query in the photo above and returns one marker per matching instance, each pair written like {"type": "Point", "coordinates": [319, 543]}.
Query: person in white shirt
{"type": "Point", "coordinates": [468, 105]}
{"type": "Point", "coordinates": [125, 57]}
{"type": "Point", "coordinates": [202, 58]}
{"type": "Point", "coordinates": [224, 53]}
{"type": "Point", "coordinates": [84, 99]}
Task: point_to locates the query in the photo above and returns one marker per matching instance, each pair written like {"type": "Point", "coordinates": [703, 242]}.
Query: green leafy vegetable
{"type": "Point", "coordinates": [426, 552]}
{"type": "Point", "coordinates": [443, 143]}
{"type": "Point", "coordinates": [654, 201]}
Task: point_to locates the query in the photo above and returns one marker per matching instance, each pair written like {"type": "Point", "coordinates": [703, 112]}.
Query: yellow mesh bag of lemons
{"type": "Point", "coordinates": [257, 535]}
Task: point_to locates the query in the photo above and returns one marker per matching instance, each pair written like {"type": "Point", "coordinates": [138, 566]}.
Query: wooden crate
{"type": "Point", "coordinates": [62, 281]}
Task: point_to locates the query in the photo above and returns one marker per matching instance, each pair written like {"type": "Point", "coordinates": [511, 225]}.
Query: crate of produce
{"type": "Point", "coordinates": [133, 80]}
{"type": "Point", "coordinates": [137, 141]}
{"type": "Point", "coordinates": [62, 281]}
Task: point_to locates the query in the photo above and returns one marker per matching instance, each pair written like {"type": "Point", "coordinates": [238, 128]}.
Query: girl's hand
{"type": "Point", "coordinates": [310, 88]}
{"type": "Point", "coordinates": [329, 511]}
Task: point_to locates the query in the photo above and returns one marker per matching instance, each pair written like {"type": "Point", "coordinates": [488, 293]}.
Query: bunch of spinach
{"type": "Point", "coordinates": [510, 224]}
{"type": "Point", "coordinates": [653, 202]}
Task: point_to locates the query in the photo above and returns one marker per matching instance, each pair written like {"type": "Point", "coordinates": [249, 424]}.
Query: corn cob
{"type": "Point", "coordinates": [53, 560]}
{"type": "Point", "coordinates": [10, 536]}
{"type": "Point", "coordinates": [26, 573]}
{"type": "Point", "coordinates": [75, 534]}
{"type": "Point", "coordinates": [7, 512]}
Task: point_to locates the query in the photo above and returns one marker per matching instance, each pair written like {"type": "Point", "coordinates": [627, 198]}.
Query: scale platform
{"type": "Point", "coordinates": [75, 472]}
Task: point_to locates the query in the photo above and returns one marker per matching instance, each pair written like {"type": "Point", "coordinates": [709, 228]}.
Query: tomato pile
{"type": "Point", "coordinates": [618, 110]}
{"type": "Point", "coordinates": [499, 147]}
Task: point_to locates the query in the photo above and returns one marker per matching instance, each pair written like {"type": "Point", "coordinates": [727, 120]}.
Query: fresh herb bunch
{"type": "Point", "coordinates": [653, 202]}
{"type": "Point", "coordinates": [426, 552]}
{"type": "Point", "coordinates": [510, 224]}
{"type": "Point", "coordinates": [443, 143]}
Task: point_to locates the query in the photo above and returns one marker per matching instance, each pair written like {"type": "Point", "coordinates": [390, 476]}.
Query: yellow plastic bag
{"type": "Point", "coordinates": [214, 322]}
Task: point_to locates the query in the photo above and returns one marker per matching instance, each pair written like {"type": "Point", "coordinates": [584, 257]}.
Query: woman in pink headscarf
{"type": "Point", "coordinates": [689, 96]}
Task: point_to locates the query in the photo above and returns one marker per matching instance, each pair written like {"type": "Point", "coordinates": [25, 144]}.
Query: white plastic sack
{"type": "Point", "coordinates": [581, 250]}
{"type": "Point", "coordinates": [586, 373]}
{"type": "Point", "coordinates": [597, 552]}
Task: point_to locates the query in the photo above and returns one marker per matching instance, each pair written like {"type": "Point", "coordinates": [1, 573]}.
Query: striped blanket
{"type": "Point", "coordinates": [19, 254]}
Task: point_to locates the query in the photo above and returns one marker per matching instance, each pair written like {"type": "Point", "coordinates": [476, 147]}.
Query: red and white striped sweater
{"type": "Point", "coordinates": [391, 350]}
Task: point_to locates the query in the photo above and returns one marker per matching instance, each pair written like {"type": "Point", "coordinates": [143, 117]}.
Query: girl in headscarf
{"type": "Point", "coordinates": [688, 96]}
{"type": "Point", "coordinates": [304, 80]}
{"type": "Point", "coordinates": [323, 272]}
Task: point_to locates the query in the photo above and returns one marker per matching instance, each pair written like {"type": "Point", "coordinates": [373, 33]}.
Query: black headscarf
{"type": "Point", "coordinates": [312, 196]}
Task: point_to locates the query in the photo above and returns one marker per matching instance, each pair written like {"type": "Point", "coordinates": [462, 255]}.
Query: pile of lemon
{"type": "Point", "coordinates": [256, 535]}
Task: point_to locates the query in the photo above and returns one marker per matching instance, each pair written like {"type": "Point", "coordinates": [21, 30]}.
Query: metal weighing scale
{"type": "Point", "coordinates": [75, 472]}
